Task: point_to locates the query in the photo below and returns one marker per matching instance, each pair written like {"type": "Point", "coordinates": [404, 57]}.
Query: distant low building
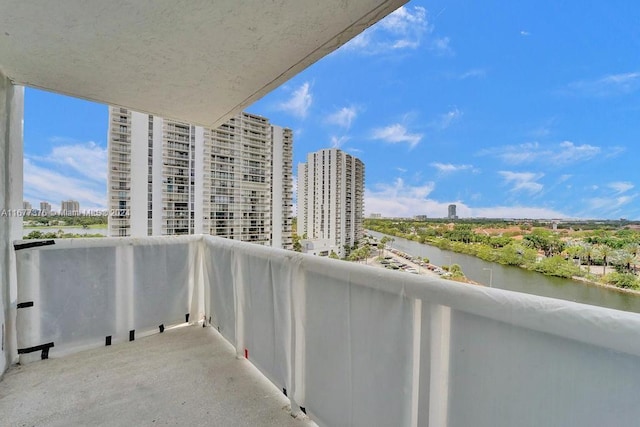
{"type": "Point", "coordinates": [319, 247]}
{"type": "Point", "coordinates": [420, 217]}
{"type": "Point", "coordinates": [375, 215]}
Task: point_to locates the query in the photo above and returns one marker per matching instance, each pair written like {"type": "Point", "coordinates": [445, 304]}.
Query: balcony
{"type": "Point", "coordinates": [351, 344]}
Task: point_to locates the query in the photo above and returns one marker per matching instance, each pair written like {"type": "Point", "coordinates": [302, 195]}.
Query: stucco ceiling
{"type": "Point", "coordinates": [193, 60]}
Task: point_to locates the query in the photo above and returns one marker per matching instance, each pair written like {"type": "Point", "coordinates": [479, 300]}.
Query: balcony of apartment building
{"type": "Point", "coordinates": [203, 330]}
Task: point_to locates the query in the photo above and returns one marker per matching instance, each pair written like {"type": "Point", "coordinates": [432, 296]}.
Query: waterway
{"type": "Point", "coordinates": [518, 279]}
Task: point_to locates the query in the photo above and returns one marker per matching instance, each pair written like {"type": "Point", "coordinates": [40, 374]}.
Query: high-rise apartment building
{"type": "Point", "coordinates": [26, 205]}
{"type": "Point", "coordinates": [233, 181]}
{"type": "Point", "coordinates": [331, 200]}
{"type": "Point", "coordinates": [452, 212]}
{"type": "Point", "coordinates": [69, 207]}
{"type": "Point", "coordinates": [45, 208]}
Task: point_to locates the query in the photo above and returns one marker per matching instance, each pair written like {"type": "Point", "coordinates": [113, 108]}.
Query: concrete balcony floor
{"type": "Point", "coordinates": [185, 376]}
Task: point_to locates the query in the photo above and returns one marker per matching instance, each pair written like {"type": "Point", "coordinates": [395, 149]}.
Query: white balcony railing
{"type": "Point", "coordinates": [353, 345]}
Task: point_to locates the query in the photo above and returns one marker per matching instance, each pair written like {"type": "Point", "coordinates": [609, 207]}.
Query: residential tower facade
{"type": "Point", "coordinates": [233, 181]}
{"type": "Point", "coordinates": [331, 201]}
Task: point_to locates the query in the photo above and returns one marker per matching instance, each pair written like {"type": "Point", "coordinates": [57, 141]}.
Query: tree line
{"type": "Point", "coordinates": [565, 252]}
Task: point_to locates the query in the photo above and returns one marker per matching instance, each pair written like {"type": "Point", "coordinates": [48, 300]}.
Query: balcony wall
{"type": "Point", "coordinates": [353, 345]}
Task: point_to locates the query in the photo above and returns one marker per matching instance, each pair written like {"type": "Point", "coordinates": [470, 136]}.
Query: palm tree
{"type": "Point", "coordinates": [587, 252]}
{"type": "Point", "coordinates": [633, 249]}
{"type": "Point", "coordinates": [573, 252]}
{"type": "Point", "coordinates": [604, 252]}
{"type": "Point", "coordinates": [626, 259]}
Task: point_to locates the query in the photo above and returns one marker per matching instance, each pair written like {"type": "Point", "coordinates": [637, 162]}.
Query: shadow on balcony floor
{"type": "Point", "coordinates": [184, 376]}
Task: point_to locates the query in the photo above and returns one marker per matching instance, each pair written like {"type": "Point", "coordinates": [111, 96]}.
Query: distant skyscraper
{"type": "Point", "coordinates": [45, 208]}
{"type": "Point", "coordinates": [452, 212]}
{"type": "Point", "coordinates": [331, 199]}
{"type": "Point", "coordinates": [26, 205]}
{"type": "Point", "coordinates": [168, 177]}
{"type": "Point", "coordinates": [69, 207]}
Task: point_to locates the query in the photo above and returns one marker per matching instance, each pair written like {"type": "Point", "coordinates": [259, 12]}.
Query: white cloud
{"type": "Point", "coordinates": [475, 72]}
{"type": "Point", "coordinates": [612, 199]}
{"type": "Point", "coordinates": [570, 153]}
{"type": "Point", "coordinates": [523, 181]}
{"type": "Point", "coordinates": [299, 103]}
{"type": "Point", "coordinates": [446, 168]}
{"type": "Point", "coordinates": [447, 119]}
{"type": "Point", "coordinates": [343, 117]}
{"type": "Point", "coordinates": [338, 141]}
{"type": "Point", "coordinates": [44, 184]}
{"type": "Point", "coordinates": [523, 153]}
{"type": "Point", "coordinates": [612, 84]}
{"type": "Point", "coordinates": [87, 159]}
{"type": "Point", "coordinates": [401, 200]}
{"type": "Point", "coordinates": [563, 153]}
{"type": "Point", "coordinates": [397, 133]}
{"type": "Point", "coordinates": [620, 187]}
{"type": "Point", "coordinates": [525, 33]}
{"type": "Point", "coordinates": [603, 206]}
{"type": "Point", "coordinates": [404, 29]}
{"type": "Point", "coordinates": [515, 212]}
{"type": "Point", "coordinates": [442, 46]}
{"type": "Point", "coordinates": [403, 20]}
{"type": "Point", "coordinates": [401, 170]}
{"type": "Point", "coordinates": [71, 170]}
{"type": "Point", "coordinates": [614, 151]}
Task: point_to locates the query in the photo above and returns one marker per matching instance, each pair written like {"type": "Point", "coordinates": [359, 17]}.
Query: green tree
{"type": "Point", "coordinates": [626, 259]}
{"type": "Point", "coordinates": [588, 252]}
{"type": "Point", "coordinates": [604, 251]}
{"type": "Point", "coordinates": [545, 241]}
{"type": "Point", "coordinates": [35, 234]}
{"type": "Point", "coordinates": [297, 246]}
{"type": "Point", "coordinates": [557, 266]}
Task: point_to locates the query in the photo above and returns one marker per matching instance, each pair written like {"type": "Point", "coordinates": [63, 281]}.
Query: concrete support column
{"type": "Point", "coordinates": [11, 155]}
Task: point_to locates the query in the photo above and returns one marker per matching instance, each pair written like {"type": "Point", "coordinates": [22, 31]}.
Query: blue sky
{"type": "Point", "coordinates": [508, 109]}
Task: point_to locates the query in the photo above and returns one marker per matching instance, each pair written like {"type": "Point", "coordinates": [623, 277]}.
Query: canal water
{"type": "Point", "coordinates": [518, 279]}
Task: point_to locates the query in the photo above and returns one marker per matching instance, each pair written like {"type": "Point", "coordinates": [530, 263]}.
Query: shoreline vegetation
{"type": "Point", "coordinates": [54, 226]}
{"type": "Point", "coordinates": [598, 254]}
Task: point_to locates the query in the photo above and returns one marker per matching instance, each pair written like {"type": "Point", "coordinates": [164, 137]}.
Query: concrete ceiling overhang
{"type": "Point", "coordinates": [195, 60]}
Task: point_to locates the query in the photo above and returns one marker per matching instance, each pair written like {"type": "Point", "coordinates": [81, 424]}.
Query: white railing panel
{"type": "Point", "coordinates": [82, 293]}
{"type": "Point", "coordinates": [66, 297]}
{"type": "Point", "coordinates": [219, 289]}
{"type": "Point", "coordinates": [358, 352]}
{"type": "Point", "coordinates": [504, 375]}
{"type": "Point", "coordinates": [260, 281]}
{"type": "Point", "coordinates": [160, 277]}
